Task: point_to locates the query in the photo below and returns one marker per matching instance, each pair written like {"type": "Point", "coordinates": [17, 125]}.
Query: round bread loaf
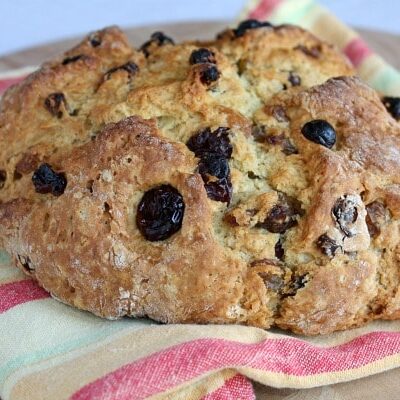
{"type": "Point", "coordinates": [251, 179]}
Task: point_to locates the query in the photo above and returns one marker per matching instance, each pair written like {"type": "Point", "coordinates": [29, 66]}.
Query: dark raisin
{"type": "Point", "coordinates": [209, 74]}
{"type": "Point", "coordinates": [26, 263]}
{"type": "Point", "coordinates": [274, 139]}
{"type": "Point", "coordinates": [3, 178]}
{"type": "Point", "coordinates": [94, 40]}
{"type": "Point", "coordinates": [328, 246]}
{"type": "Point", "coordinates": [46, 180]}
{"type": "Point", "coordinates": [377, 215]}
{"type": "Point", "coordinates": [281, 140]}
{"type": "Point", "coordinates": [160, 213]}
{"type": "Point", "coordinates": [279, 114]}
{"type": "Point", "coordinates": [202, 56]}
{"type": "Point", "coordinates": [345, 214]}
{"type": "Point", "coordinates": [298, 282]}
{"type": "Point", "coordinates": [320, 131]}
{"type": "Point", "coordinates": [157, 38]}
{"type": "Point", "coordinates": [213, 148]}
{"type": "Point", "coordinates": [282, 216]}
{"type": "Point", "coordinates": [54, 102]}
{"type": "Point", "coordinates": [252, 175]}
{"type": "Point", "coordinates": [69, 60]}
{"type": "Point", "coordinates": [294, 79]}
{"type": "Point", "coordinates": [271, 281]}
{"type": "Point", "coordinates": [213, 164]}
{"type": "Point", "coordinates": [231, 220]}
{"type": "Point", "coordinates": [17, 175]}
{"type": "Point", "coordinates": [313, 52]}
{"type": "Point", "coordinates": [392, 104]}
{"type": "Point", "coordinates": [130, 67]}
{"type": "Point", "coordinates": [279, 219]}
{"type": "Point", "coordinates": [279, 251]}
{"type": "Point", "coordinates": [220, 190]}
{"type": "Point", "coordinates": [258, 133]}
{"type": "Point", "coordinates": [288, 147]}
{"type": "Point", "coordinates": [89, 185]}
{"type": "Point", "coordinates": [207, 141]}
{"type": "Point", "coordinates": [249, 24]}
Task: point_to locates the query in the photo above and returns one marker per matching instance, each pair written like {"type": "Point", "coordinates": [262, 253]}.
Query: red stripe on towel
{"type": "Point", "coordinates": [236, 388]}
{"type": "Point", "coordinates": [14, 293]}
{"type": "Point", "coordinates": [264, 9]}
{"type": "Point", "coordinates": [357, 51]}
{"type": "Point", "coordinates": [6, 83]}
{"type": "Point", "coordinates": [176, 365]}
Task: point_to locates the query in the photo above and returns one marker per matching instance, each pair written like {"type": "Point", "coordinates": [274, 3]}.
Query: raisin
{"type": "Point", "coordinates": [279, 251]}
{"type": "Point", "coordinates": [345, 214]}
{"type": "Point", "coordinates": [298, 282]}
{"type": "Point", "coordinates": [249, 24]}
{"type": "Point", "coordinates": [213, 148]}
{"type": "Point", "coordinates": [213, 164]}
{"type": "Point", "coordinates": [320, 131]}
{"type": "Point", "coordinates": [288, 147]}
{"type": "Point", "coordinates": [46, 180]}
{"type": "Point", "coordinates": [274, 140]}
{"type": "Point", "coordinates": [392, 104]}
{"type": "Point", "coordinates": [279, 220]}
{"type": "Point", "coordinates": [230, 220]}
{"type": "Point", "coordinates": [294, 79]}
{"type": "Point", "coordinates": [130, 67]}
{"type": "Point", "coordinates": [157, 38]}
{"type": "Point", "coordinates": [207, 141]}
{"type": "Point", "coordinates": [377, 215]}
{"type": "Point", "coordinates": [260, 136]}
{"type": "Point", "coordinates": [220, 190]}
{"type": "Point", "coordinates": [252, 175]}
{"type": "Point", "coordinates": [160, 213]}
{"type": "Point", "coordinates": [209, 74]}
{"type": "Point", "coordinates": [282, 216]}
{"type": "Point", "coordinates": [17, 175]}
{"type": "Point", "coordinates": [25, 263]}
{"type": "Point", "coordinates": [279, 114]}
{"type": "Point", "coordinates": [313, 52]}
{"type": "Point", "coordinates": [271, 281]}
{"type": "Point", "coordinates": [3, 178]}
{"type": "Point", "coordinates": [69, 60]}
{"type": "Point", "coordinates": [54, 102]}
{"type": "Point", "coordinates": [94, 40]}
{"type": "Point", "coordinates": [202, 56]}
{"type": "Point", "coordinates": [258, 133]}
{"type": "Point", "coordinates": [328, 246]}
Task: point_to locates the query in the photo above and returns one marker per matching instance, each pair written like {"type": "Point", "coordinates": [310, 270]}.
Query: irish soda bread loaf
{"type": "Point", "coordinates": [250, 179]}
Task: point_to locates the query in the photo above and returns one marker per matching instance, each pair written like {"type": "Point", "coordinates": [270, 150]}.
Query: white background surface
{"type": "Point", "coordinates": [26, 23]}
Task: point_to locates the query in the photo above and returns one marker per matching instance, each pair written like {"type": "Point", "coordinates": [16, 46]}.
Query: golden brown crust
{"type": "Point", "coordinates": [84, 248]}
{"type": "Point", "coordinates": [116, 122]}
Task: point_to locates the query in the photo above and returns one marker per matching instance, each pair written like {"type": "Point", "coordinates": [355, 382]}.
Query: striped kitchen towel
{"type": "Point", "coordinates": [317, 19]}
{"type": "Point", "coordinates": [51, 351]}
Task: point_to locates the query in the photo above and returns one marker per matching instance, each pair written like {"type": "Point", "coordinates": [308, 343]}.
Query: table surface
{"type": "Point", "coordinates": [30, 23]}
{"type": "Point", "coordinates": [381, 386]}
